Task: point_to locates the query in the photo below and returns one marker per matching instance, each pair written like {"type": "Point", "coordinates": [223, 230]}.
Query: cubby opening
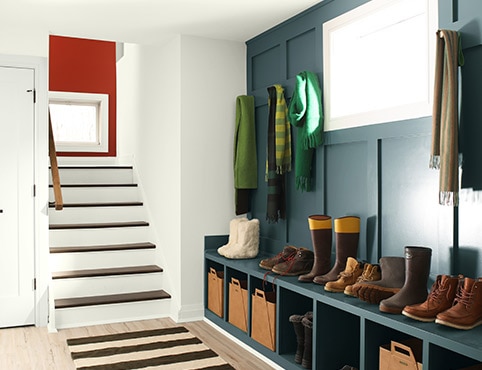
{"type": "Point", "coordinates": [445, 359]}
{"type": "Point", "coordinates": [337, 339]}
{"type": "Point", "coordinates": [290, 303]}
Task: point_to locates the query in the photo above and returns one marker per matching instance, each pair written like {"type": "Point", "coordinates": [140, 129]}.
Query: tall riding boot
{"type": "Point", "coordinates": [321, 237]}
{"type": "Point", "coordinates": [414, 290]}
{"type": "Point", "coordinates": [308, 352]}
{"type": "Point", "coordinates": [393, 277]}
{"type": "Point", "coordinates": [300, 336]}
{"type": "Point", "coordinates": [347, 232]}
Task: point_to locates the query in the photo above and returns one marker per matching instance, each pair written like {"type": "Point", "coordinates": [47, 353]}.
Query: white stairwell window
{"type": "Point", "coordinates": [79, 121]}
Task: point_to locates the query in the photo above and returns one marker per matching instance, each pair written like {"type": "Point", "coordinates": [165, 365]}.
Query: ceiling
{"type": "Point", "coordinates": [150, 21]}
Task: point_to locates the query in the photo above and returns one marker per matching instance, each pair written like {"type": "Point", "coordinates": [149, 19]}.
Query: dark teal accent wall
{"type": "Point", "coordinates": [377, 172]}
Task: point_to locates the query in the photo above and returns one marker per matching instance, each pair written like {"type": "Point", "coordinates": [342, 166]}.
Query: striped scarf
{"type": "Point", "coordinates": [278, 156]}
{"type": "Point", "coordinates": [445, 150]}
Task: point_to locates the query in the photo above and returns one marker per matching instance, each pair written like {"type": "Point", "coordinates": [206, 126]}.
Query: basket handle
{"type": "Point", "coordinates": [236, 282]}
{"type": "Point", "coordinates": [212, 271]}
{"type": "Point", "coordinates": [259, 293]}
{"type": "Point", "coordinates": [398, 350]}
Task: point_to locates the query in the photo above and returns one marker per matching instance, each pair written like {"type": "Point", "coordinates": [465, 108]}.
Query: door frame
{"type": "Point", "coordinates": [41, 179]}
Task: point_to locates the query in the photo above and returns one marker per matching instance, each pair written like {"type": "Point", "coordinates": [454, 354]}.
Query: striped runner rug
{"type": "Point", "coordinates": [166, 349]}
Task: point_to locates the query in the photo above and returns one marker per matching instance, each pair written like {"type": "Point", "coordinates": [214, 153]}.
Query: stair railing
{"type": "Point", "coordinates": [59, 203]}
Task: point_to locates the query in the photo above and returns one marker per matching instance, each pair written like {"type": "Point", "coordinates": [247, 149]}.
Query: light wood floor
{"type": "Point", "coordinates": [29, 348]}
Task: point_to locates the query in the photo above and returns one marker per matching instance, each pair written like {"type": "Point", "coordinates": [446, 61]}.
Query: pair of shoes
{"type": "Point", "coordinates": [291, 261]}
{"type": "Point", "coordinates": [403, 281]}
{"type": "Point", "coordinates": [370, 273]}
{"type": "Point", "coordinates": [347, 231]}
{"type": "Point", "coordinates": [440, 298]}
{"type": "Point", "coordinates": [303, 326]}
{"type": "Point", "coordinates": [453, 301]}
{"type": "Point", "coordinates": [349, 276]}
{"type": "Point", "coordinates": [243, 241]}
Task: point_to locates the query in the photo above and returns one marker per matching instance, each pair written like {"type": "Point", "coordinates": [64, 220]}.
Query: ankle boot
{"type": "Point", "coordinates": [370, 273]}
{"type": "Point", "coordinates": [307, 322]}
{"type": "Point", "coordinates": [352, 272]}
{"type": "Point", "coordinates": [300, 336]}
{"type": "Point", "coordinates": [466, 313]}
{"type": "Point", "coordinates": [248, 241]}
{"type": "Point", "coordinates": [414, 290]}
{"type": "Point", "coordinates": [233, 234]}
{"type": "Point", "coordinates": [347, 231]}
{"type": "Point", "coordinates": [440, 298]}
{"type": "Point", "coordinates": [283, 256]}
{"type": "Point", "coordinates": [393, 277]}
{"type": "Point", "coordinates": [321, 237]}
{"type": "Point", "coordinates": [299, 263]}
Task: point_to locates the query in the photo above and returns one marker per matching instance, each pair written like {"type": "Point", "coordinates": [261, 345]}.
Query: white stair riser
{"type": "Point", "coordinates": [103, 314]}
{"type": "Point", "coordinates": [65, 238]}
{"type": "Point", "coordinates": [95, 176]}
{"type": "Point", "coordinates": [95, 260]}
{"type": "Point", "coordinates": [100, 194]}
{"type": "Point", "coordinates": [96, 214]}
{"type": "Point", "coordinates": [85, 287]}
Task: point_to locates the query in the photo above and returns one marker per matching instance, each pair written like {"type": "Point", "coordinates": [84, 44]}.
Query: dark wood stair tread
{"type": "Point", "coordinates": [99, 225]}
{"type": "Point", "coordinates": [100, 204]}
{"type": "Point", "coordinates": [106, 272]}
{"type": "Point", "coordinates": [93, 167]}
{"type": "Point", "coordinates": [103, 248]}
{"type": "Point", "coordinates": [111, 299]}
{"type": "Point", "coordinates": [113, 185]}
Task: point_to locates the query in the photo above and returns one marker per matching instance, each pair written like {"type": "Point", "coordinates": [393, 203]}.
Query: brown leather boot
{"type": "Point", "coordinates": [370, 273]}
{"type": "Point", "coordinates": [322, 238]}
{"type": "Point", "coordinates": [393, 277]}
{"type": "Point", "coordinates": [414, 290]}
{"type": "Point", "coordinates": [441, 298]}
{"type": "Point", "coordinates": [347, 232]}
{"type": "Point", "coordinates": [353, 271]}
{"type": "Point", "coordinates": [466, 313]}
{"type": "Point", "coordinates": [300, 263]}
{"type": "Point", "coordinates": [282, 256]}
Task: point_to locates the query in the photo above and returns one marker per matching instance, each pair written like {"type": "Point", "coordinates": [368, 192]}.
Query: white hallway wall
{"type": "Point", "coordinates": [176, 106]}
{"type": "Point", "coordinates": [176, 112]}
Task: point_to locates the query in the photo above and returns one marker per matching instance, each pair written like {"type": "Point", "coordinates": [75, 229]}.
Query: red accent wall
{"type": "Point", "coordinates": [81, 65]}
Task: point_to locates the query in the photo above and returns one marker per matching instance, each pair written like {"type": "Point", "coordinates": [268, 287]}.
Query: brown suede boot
{"type": "Point", "coordinates": [307, 322]}
{"type": "Point", "coordinates": [322, 238]}
{"type": "Point", "coordinates": [370, 273]}
{"type": "Point", "coordinates": [466, 313]}
{"type": "Point", "coordinates": [299, 263]}
{"type": "Point", "coordinates": [347, 232]}
{"type": "Point", "coordinates": [284, 255]}
{"type": "Point", "coordinates": [441, 298]}
{"type": "Point", "coordinates": [414, 290]}
{"type": "Point", "coordinates": [353, 271]}
{"type": "Point", "coordinates": [300, 336]}
{"type": "Point", "coordinates": [393, 277]}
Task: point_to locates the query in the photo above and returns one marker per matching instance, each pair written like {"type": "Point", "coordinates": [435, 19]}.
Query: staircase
{"type": "Point", "coordinates": [103, 262]}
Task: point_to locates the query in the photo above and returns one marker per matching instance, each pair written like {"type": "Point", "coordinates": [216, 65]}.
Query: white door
{"type": "Point", "coordinates": [17, 295]}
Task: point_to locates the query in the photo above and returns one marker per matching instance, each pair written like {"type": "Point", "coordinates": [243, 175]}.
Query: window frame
{"type": "Point", "coordinates": [102, 124]}
{"type": "Point", "coordinates": [391, 112]}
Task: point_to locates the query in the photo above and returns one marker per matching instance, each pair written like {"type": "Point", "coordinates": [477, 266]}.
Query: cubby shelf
{"type": "Point", "coordinates": [346, 330]}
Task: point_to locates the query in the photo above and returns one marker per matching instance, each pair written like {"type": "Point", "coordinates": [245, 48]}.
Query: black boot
{"type": "Point", "coordinates": [307, 322]}
{"type": "Point", "coordinates": [300, 336]}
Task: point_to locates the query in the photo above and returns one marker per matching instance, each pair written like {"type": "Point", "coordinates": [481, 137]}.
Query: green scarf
{"type": "Point", "coordinates": [305, 112]}
{"type": "Point", "coordinates": [245, 158]}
